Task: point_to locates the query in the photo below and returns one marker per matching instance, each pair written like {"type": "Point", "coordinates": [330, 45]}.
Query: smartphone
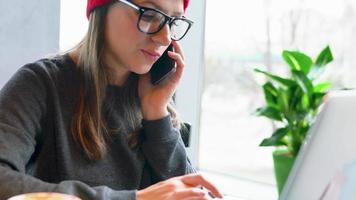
{"type": "Point", "coordinates": [163, 67]}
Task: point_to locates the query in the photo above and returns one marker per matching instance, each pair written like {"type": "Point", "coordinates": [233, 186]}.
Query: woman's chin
{"type": "Point", "coordinates": [143, 69]}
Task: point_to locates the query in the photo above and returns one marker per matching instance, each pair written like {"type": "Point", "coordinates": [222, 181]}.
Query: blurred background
{"type": "Point", "coordinates": [233, 37]}
{"type": "Point", "coordinates": [243, 35]}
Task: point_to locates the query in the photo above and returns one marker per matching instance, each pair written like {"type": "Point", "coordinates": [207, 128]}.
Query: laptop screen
{"type": "Point", "coordinates": [326, 163]}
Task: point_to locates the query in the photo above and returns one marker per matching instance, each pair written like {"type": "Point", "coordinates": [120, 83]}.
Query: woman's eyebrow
{"type": "Point", "coordinates": [153, 4]}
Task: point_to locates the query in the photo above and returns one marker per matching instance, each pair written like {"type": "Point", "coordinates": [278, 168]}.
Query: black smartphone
{"type": "Point", "coordinates": [163, 67]}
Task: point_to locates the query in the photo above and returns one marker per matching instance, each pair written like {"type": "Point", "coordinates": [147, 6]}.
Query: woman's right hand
{"type": "Point", "coordinates": [180, 188]}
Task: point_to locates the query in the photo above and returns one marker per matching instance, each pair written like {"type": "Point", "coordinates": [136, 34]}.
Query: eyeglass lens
{"type": "Point", "coordinates": [152, 21]}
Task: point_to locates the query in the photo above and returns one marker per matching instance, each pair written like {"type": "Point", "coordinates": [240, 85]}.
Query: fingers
{"type": "Point", "coordinates": [176, 189]}
{"type": "Point", "coordinates": [178, 48]}
{"type": "Point", "coordinates": [190, 193]}
{"type": "Point", "coordinates": [197, 180]}
{"type": "Point", "coordinates": [197, 198]}
{"type": "Point", "coordinates": [180, 66]}
{"type": "Point", "coordinates": [178, 56]}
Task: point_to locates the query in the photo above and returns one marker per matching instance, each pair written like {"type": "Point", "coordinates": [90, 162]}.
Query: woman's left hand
{"type": "Point", "coordinates": [155, 98]}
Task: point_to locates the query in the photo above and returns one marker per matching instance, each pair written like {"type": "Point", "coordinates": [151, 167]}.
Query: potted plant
{"type": "Point", "coordinates": [292, 104]}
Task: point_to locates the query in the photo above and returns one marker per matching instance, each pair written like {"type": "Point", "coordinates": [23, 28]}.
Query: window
{"type": "Point", "coordinates": [243, 35]}
{"type": "Point", "coordinates": [73, 23]}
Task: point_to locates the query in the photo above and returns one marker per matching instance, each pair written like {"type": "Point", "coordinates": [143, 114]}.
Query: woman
{"type": "Point", "coordinates": [90, 123]}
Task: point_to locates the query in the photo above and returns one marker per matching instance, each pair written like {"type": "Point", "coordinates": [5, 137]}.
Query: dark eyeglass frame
{"type": "Point", "coordinates": [167, 19]}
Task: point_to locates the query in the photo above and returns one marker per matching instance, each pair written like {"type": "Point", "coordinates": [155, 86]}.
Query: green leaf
{"type": "Point", "coordinates": [294, 100]}
{"type": "Point", "coordinates": [303, 130]}
{"type": "Point", "coordinates": [275, 139]}
{"type": "Point", "coordinates": [304, 82]}
{"type": "Point", "coordinates": [318, 99]}
{"type": "Point", "coordinates": [322, 87]}
{"type": "Point", "coordinates": [283, 101]}
{"type": "Point", "coordinates": [298, 61]}
{"type": "Point", "coordinates": [270, 94]}
{"type": "Point", "coordinates": [285, 82]}
{"type": "Point", "coordinates": [324, 57]}
{"type": "Point", "coordinates": [305, 102]}
{"type": "Point", "coordinates": [296, 94]}
{"type": "Point", "coordinates": [269, 112]}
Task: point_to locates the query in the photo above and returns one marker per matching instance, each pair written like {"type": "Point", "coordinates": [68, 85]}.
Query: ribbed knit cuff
{"type": "Point", "coordinates": [159, 130]}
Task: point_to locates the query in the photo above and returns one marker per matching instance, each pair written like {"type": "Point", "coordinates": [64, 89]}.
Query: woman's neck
{"type": "Point", "coordinates": [117, 75]}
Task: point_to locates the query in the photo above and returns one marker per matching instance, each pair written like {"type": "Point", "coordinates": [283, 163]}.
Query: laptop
{"type": "Point", "coordinates": [325, 168]}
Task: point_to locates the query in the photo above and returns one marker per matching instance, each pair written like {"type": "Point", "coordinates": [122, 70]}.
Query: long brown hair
{"type": "Point", "coordinates": [89, 128]}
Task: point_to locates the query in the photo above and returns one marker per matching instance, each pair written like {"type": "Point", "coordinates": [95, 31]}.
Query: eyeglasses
{"type": "Point", "coordinates": [151, 21]}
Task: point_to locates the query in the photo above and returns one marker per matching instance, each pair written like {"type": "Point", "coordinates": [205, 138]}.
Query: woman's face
{"type": "Point", "coordinates": [128, 49]}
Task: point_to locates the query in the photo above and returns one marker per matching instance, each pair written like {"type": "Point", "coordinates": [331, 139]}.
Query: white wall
{"type": "Point", "coordinates": [190, 90]}
{"type": "Point", "coordinates": [29, 30]}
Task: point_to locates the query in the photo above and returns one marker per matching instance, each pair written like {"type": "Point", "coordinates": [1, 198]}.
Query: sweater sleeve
{"type": "Point", "coordinates": [13, 182]}
{"type": "Point", "coordinates": [22, 105]}
{"type": "Point", "coordinates": [164, 149]}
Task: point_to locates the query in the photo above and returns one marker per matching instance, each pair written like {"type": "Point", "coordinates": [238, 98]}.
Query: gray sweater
{"type": "Point", "coordinates": [38, 152]}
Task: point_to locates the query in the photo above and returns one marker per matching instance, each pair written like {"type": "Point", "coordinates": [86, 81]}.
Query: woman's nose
{"type": "Point", "coordinates": [163, 37]}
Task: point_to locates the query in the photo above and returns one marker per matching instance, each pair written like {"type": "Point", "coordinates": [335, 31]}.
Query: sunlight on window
{"type": "Point", "coordinates": [73, 23]}
{"type": "Point", "coordinates": [243, 35]}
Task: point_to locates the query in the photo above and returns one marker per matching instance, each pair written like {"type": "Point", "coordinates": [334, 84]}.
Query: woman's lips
{"type": "Point", "coordinates": [153, 56]}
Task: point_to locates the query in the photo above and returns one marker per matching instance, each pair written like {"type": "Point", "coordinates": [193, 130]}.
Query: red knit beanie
{"type": "Point", "coordinates": [95, 3]}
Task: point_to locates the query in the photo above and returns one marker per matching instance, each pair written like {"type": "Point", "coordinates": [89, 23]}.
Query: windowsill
{"type": "Point", "coordinates": [241, 189]}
